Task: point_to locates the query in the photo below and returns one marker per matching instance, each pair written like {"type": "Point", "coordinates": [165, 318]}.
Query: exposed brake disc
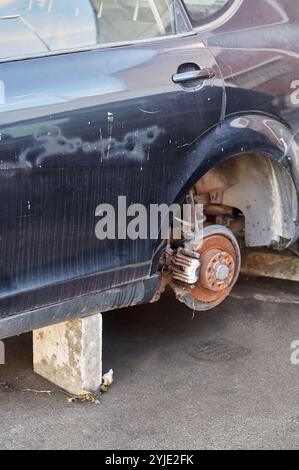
{"type": "Point", "coordinates": [204, 278]}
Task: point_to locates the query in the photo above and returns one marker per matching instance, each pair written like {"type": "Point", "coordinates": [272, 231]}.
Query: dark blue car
{"type": "Point", "coordinates": [157, 101]}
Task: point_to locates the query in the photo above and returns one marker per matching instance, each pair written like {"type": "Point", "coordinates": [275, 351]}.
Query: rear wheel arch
{"type": "Point", "coordinates": [245, 174]}
{"type": "Point", "coordinates": [269, 148]}
{"type": "Point", "coordinates": [258, 157]}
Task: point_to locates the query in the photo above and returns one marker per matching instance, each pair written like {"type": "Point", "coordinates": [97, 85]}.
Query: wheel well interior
{"type": "Point", "coordinates": [257, 189]}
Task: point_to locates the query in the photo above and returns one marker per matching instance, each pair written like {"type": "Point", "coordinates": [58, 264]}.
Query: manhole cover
{"type": "Point", "coordinates": [215, 351]}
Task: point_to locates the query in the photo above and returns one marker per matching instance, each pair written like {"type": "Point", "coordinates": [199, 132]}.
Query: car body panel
{"type": "Point", "coordinates": [78, 130]}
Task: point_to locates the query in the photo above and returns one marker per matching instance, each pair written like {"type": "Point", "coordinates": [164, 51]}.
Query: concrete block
{"type": "Point", "coordinates": [70, 354]}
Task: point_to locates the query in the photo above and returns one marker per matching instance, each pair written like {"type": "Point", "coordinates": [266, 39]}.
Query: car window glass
{"type": "Point", "coordinates": [204, 11]}
{"type": "Point", "coordinates": [39, 26]}
{"type": "Point", "coordinates": [131, 19]}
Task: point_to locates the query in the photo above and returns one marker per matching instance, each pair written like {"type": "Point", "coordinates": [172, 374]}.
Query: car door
{"type": "Point", "coordinates": [89, 112]}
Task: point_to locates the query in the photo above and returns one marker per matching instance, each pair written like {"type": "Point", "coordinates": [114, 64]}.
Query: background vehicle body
{"type": "Point", "coordinates": [81, 127]}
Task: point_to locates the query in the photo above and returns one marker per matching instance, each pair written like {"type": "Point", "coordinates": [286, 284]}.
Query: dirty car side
{"type": "Point", "coordinates": [81, 126]}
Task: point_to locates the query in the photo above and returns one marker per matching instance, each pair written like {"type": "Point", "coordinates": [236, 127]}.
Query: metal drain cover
{"type": "Point", "coordinates": [216, 350]}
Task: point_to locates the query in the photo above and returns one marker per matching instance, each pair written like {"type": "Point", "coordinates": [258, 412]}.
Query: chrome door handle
{"type": "Point", "coordinates": [202, 74]}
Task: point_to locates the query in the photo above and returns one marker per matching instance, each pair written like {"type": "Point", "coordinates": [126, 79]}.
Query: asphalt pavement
{"type": "Point", "coordinates": [183, 380]}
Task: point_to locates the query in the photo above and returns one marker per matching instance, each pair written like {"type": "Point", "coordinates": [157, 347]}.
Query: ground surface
{"type": "Point", "coordinates": [222, 379]}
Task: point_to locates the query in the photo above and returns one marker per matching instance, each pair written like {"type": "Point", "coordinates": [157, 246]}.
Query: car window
{"type": "Point", "coordinates": [131, 19]}
{"type": "Point", "coordinates": [205, 11]}
{"type": "Point", "coordinates": [38, 26]}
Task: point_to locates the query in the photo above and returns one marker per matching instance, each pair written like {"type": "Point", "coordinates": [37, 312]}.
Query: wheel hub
{"type": "Point", "coordinates": [220, 266]}
{"type": "Point", "coordinates": [217, 270]}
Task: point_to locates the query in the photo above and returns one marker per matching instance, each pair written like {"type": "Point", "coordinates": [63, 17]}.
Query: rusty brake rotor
{"type": "Point", "coordinates": [220, 266]}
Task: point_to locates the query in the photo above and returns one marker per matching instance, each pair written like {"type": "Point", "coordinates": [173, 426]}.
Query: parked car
{"type": "Point", "coordinates": [161, 101]}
